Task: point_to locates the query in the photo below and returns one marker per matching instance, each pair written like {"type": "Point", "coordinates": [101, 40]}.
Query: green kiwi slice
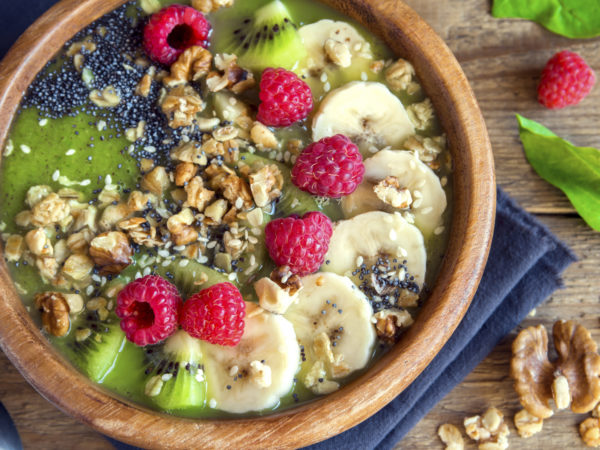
{"type": "Point", "coordinates": [268, 38]}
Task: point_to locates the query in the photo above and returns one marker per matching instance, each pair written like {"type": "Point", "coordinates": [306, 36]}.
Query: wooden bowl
{"type": "Point", "coordinates": [473, 217]}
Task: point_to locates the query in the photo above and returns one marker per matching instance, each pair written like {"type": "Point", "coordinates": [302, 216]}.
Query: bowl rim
{"type": "Point", "coordinates": [473, 217]}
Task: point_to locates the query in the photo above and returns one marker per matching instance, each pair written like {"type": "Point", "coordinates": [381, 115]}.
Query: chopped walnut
{"type": "Point", "coordinates": [216, 210]}
{"type": "Point", "coordinates": [143, 87]}
{"type": "Point", "coordinates": [589, 430]}
{"type": "Point", "coordinates": [191, 152]}
{"type": "Point", "coordinates": [389, 323]}
{"type": "Point", "coordinates": [86, 44]}
{"type": "Point", "coordinates": [184, 172]}
{"type": "Point", "coordinates": [38, 242]}
{"type": "Point", "coordinates": [262, 136]}
{"type": "Point", "coordinates": [451, 436]}
{"type": "Point", "coordinates": [216, 82]}
{"type": "Point", "coordinates": [315, 380]}
{"type": "Point", "coordinates": [273, 297]}
{"type": "Point", "coordinates": [389, 191]}
{"type": "Point", "coordinates": [113, 214]}
{"type": "Point", "coordinates": [55, 312]}
{"type": "Point", "coordinates": [421, 114]}
{"type": "Point", "coordinates": [266, 185]}
{"type": "Point", "coordinates": [338, 52]}
{"type": "Point", "coordinates": [232, 76]}
{"type": "Point", "coordinates": [141, 232]}
{"type": "Point", "coordinates": [78, 242]}
{"type": "Point", "coordinates": [527, 424]}
{"type": "Point", "coordinates": [207, 6]}
{"type": "Point", "coordinates": [490, 431]}
{"type": "Point", "coordinates": [198, 196]}
{"type": "Point", "coordinates": [377, 66]}
{"type": "Point", "coordinates": [138, 201]}
{"type": "Point", "coordinates": [77, 267]}
{"type": "Point", "coordinates": [400, 77]}
{"type": "Point", "coordinates": [237, 192]}
{"type": "Point", "coordinates": [111, 251]}
{"type": "Point", "coordinates": [260, 374]}
{"type": "Point", "coordinates": [14, 247]}
{"type": "Point", "coordinates": [535, 376]}
{"type": "Point", "coordinates": [156, 181]}
{"type": "Point", "coordinates": [191, 65]}
{"type": "Point", "coordinates": [51, 209]}
{"type": "Point", "coordinates": [85, 218]}
{"type": "Point", "coordinates": [133, 134]}
{"type": "Point", "coordinates": [107, 98]}
{"type": "Point", "coordinates": [180, 105]}
{"type": "Point", "coordinates": [36, 194]}
{"type": "Point", "coordinates": [180, 227]}
{"type": "Point", "coordinates": [287, 280]}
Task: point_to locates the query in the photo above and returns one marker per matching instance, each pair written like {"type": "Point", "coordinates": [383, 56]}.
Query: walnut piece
{"type": "Point", "coordinates": [262, 136]}
{"type": "Point", "coordinates": [180, 105]}
{"type": "Point", "coordinates": [144, 85]}
{"type": "Point", "coordinates": [389, 324]}
{"type": "Point", "coordinates": [260, 374]}
{"type": "Point", "coordinates": [490, 430]}
{"type": "Point", "coordinates": [532, 371]}
{"type": "Point", "coordinates": [180, 227]}
{"type": "Point", "coordinates": [55, 312]}
{"type": "Point", "coordinates": [287, 280]}
{"type": "Point", "coordinates": [198, 196]}
{"type": "Point", "coordinates": [389, 191]}
{"type": "Point", "coordinates": [527, 424]}
{"type": "Point", "coordinates": [184, 172]}
{"type": "Point", "coordinates": [141, 232]}
{"type": "Point", "coordinates": [207, 6]}
{"type": "Point", "coordinates": [191, 65]}
{"type": "Point", "coordinates": [266, 185]}
{"type": "Point", "coordinates": [107, 98]}
{"type": "Point", "coordinates": [273, 297]}
{"type": "Point", "coordinates": [156, 181]}
{"type": "Point", "coordinates": [338, 52]}
{"type": "Point", "coordinates": [589, 430]}
{"type": "Point", "coordinates": [111, 251]}
{"type": "Point", "coordinates": [572, 378]}
{"type": "Point", "coordinates": [451, 436]}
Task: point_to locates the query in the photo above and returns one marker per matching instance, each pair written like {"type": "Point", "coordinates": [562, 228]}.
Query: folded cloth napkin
{"type": "Point", "coordinates": [523, 269]}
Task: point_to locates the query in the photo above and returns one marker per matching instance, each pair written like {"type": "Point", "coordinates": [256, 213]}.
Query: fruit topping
{"type": "Point", "coordinates": [174, 29]}
{"type": "Point", "coordinates": [331, 167]}
{"type": "Point", "coordinates": [268, 38]}
{"type": "Point", "coordinates": [148, 308]}
{"type": "Point", "coordinates": [300, 243]}
{"type": "Point", "coordinates": [285, 98]}
{"type": "Point", "coordinates": [565, 81]}
{"type": "Point", "coordinates": [215, 314]}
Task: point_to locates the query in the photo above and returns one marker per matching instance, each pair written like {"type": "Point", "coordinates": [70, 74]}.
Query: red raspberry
{"type": "Point", "coordinates": [331, 167]}
{"type": "Point", "coordinates": [148, 308]}
{"type": "Point", "coordinates": [299, 243]}
{"type": "Point", "coordinates": [172, 30]}
{"type": "Point", "coordinates": [215, 314]}
{"type": "Point", "coordinates": [285, 98]}
{"type": "Point", "coordinates": [566, 80]}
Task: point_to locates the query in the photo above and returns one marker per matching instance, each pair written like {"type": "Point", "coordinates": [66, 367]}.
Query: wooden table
{"type": "Point", "coordinates": [503, 60]}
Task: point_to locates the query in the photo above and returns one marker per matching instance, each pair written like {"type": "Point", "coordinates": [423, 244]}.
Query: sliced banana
{"type": "Point", "coordinates": [332, 42]}
{"type": "Point", "coordinates": [332, 320]}
{"type": "Point", "coordinates": [376, 233]}
{"type": "Point", "coordinates": [257, 372]}
{"type": "Point", "coordinates": [428, 199]}
{"type": "Point", "coordinates": [366, 112]}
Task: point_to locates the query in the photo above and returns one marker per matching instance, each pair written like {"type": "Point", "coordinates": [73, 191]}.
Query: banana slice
{"type": "Point", "coordinates": [376, 233]}
{"type": "Point", "coordinates": [428, 199]}
{"type": "Point", "coordinates": [332, 42]}
{"type": "Point", "coordinates": [366, 112]}
{"type": "Point", "coordinates": [257, 372]}
{"type": "Point", "coordinates": [332, 320]}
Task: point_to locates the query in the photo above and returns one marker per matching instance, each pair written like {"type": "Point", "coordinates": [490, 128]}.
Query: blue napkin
{"type": "Point", "coordinates": [523, 269]}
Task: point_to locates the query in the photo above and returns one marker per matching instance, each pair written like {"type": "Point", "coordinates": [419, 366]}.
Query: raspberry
{"type": "Point", "coordinates": [298, 243]}
{"type": "Point", "coordinates": [148, 308]}
{"type": "Point", "coordinates": [172, 30]}
{"type": "Point", "coordinates": [331, 167]}
{"type": "Point", "coordinates": [285, 98]}
{"type": "Point", "coordinates": [565, 81]}
{"type": "Point", "coordinates": [215, 314]}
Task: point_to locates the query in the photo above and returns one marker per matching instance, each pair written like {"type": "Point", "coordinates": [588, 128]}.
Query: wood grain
{"type": "Point", "coordinates": [474, 206]}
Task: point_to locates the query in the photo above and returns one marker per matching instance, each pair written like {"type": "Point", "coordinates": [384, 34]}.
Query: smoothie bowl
{"type": "Point", "coordinates": [223, 221]}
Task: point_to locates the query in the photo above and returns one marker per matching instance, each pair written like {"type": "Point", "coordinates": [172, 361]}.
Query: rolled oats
{"type": "Point", "coordinates": [14, 247]}
{"type": "Point", "coordinates": [262, 136]}
{"type": "Point", "coordinates": [38, 242]}
{"type": "Point", "coordinates": [51, 209]}
{"type": "Point", "coordinates": [78, 242]}
{"type": "Point", "coordinates": [400, 76]}
{"type": "Point", "coordinates": [78, 267]}
{"type": "Point", "coordinates": [48, 268]}
{"type": "Point", "coordinates": [421, 114]}
{"type": "Point", "coordinates": [191, 152]}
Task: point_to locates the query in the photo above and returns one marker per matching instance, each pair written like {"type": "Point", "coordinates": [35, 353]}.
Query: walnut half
{"type": "Point", "coordinates": [55, 312]}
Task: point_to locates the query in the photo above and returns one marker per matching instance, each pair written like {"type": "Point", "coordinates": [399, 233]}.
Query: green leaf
{"type": "Point", "coordinates": [571, 18]}
{"type": "Point", "coordinates": [574, 170]}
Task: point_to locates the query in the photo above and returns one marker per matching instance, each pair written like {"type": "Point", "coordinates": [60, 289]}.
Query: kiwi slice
{"type": "Point", "coordinates": [174, 373]}
{"type": "Point", "coordinates": [293, 200]}
{"type": "Point", "coordinates": [268, 38]}
{"type": "Point", "coordinates": [97, 346]}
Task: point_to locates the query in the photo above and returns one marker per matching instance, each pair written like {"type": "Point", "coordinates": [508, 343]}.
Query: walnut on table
{"type": "Point", "coordinates": [489, 430]}
{"type": "Point", "coordinates": [451, 436]}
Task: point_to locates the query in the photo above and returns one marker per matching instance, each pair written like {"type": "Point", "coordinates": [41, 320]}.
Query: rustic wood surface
{"type": "Point", "coordinates": [502, 59]}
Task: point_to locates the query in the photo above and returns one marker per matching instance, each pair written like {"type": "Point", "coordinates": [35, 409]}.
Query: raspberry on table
{"type": "Point", "coordinates": [300, 243]}
{"type": "Point", "coordinates": [149, 309]}
{"type": "Point", "coordinates": [565, 81]}
{"type": "Point", "coordinates": [285, 98]}
{"type": "Point", "coordinates": [215, 314]}
{"type": "Point", "coordinates": [172, 30]}
{"type": "Point", "coordinates": [330, 167]}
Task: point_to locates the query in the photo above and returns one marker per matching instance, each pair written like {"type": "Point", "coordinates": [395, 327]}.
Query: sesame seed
{"type": "Point", "coordinates": [25, 148]}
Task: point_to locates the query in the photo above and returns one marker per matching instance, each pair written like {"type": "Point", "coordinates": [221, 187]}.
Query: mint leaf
{"type": "Point", "coordinates": [571, 18]}
{"type": "Point", "coordinates": [574, 170]}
